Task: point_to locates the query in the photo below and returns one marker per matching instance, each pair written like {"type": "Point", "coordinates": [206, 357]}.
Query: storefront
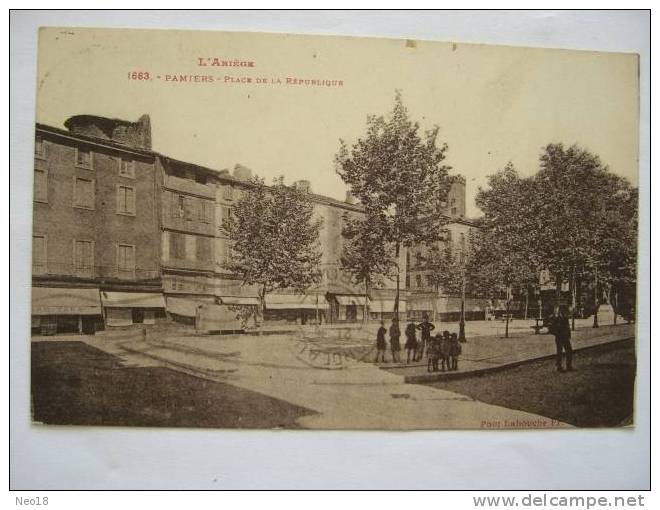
{"type": "Point", "coordinates": [298, 308]}
{"type": "Point", "coordinates": [128, 308]}
{"type": "Point", "coordinates": [383, 308]}
{"type": "Point", "coordinates": [65, 310]}
{"type": "Point", "coordinates": [448, 308]}
{"type": "Point", "coordinates": [347, 307]}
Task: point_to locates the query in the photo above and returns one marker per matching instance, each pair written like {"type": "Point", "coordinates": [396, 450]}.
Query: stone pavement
{"type": "Point", "coordinates": [484, 354]}
{"type": "Point", "coordinates": [329, 371]}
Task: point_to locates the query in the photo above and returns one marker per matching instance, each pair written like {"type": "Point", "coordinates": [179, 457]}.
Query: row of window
{"type": "Point", "coordinates": [84, 158]}
{"type": "Point", "coordinates": [83, 257]}
{"type": "Point", "coordinates": [190, 247]}
{"type": "Point", "coordinates": [191, 208]}
{"type": "Point", "coordinates": [202, 178]}
{"type": "Point", "coordinates": [84, 193]}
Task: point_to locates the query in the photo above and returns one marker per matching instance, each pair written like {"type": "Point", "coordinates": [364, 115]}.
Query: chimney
{"type": "Point", "coordinates": [303, 185]}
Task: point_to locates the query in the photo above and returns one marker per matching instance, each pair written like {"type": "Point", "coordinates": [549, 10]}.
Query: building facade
{"type": "Point", "coordinates": [96, 258]}
{"type": "Point", "coordinates": [123, 235]}
{"type": "Point", "coordinates": [423, 296]}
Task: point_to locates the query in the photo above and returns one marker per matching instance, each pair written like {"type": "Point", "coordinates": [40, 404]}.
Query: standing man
{"type": "Point", "coordinates": [380, 342]}
{"type": "Point", "coordinates": [411, 341]}
{"type": "Point", "coordinates": [561, 329]}
{"type": "Point", "coordinates": [395, 346]}
{"type": "Point", "coordinates": [426, 327]}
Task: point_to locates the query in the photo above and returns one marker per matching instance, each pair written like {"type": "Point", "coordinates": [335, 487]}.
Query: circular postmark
{"type": "Point", "coordinates": [335, 336]}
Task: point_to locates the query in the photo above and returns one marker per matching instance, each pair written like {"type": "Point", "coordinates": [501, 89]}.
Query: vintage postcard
{"type": "Point", "coordinates": [251, 230]}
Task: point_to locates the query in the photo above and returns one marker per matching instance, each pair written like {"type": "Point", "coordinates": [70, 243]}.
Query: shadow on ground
{"type": "Point", "coordinates": [600, 393]}
{"type": "Point", "coordinates": [75, 384]}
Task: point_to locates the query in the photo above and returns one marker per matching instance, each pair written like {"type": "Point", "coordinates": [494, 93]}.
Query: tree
{"type": "Point", "coordinates": [504, 253]}
{"type": "Point", "coordinates": [398, 174]}
{"type": "Point", "coordinates": [366, 256]}
{"type": "Point", "coordinates": [586, 222]}
{"type": "Point", "coordinates": [444, 270]}
{"type": "Point", "coordinates": [614, 258]}
{"type": "Point", "coordinates": [275, 238]}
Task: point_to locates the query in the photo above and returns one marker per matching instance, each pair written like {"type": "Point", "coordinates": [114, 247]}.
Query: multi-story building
{"type": "Point", "coordinates": [95, 231]}
{"type": "Point", "coordinates": [124, 235]}
{"type": "Point", "coordinates": [423, 296]}
{"type": "Point", "coordinates": [187, 221]}
{"type": "Point", "coordinates": [229, 288]}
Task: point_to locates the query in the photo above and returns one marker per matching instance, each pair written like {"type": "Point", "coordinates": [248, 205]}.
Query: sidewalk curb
{"type": "Point", "coordinates": [447, 376]}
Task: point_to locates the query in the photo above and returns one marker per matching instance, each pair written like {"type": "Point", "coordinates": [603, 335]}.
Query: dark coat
{"type": "Point", "coordinates": [395, 333]}
{"type": "Point", "coordinates": [426, 328]}
{"type": "Point", "coordinates": [454, 347]}
{"type": "Point", "coordinates": [560, 328]}
{"type": "Point", "coordinates": [380, 338]}
{"type": "Point", "coordinates": [411, 340]}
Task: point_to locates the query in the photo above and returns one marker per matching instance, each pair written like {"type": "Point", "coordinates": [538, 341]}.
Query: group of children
{"type": "Point", "coordinates": [442, 350]}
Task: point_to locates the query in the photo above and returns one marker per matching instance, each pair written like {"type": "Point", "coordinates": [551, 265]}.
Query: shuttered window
{"type": "Point", "coordinates": [126, 259]}
{"type": "Point", "coordinates": [84, 158]}
{"type": "Point", "coordinates": [125, 199]}
{"type": "Point", "coordinates": [83, 257]}
{"type": "Point", "coordinates": [39, 147]}
{"type": "Point", "coordinates": [40, 185]}
{"type": "Point", "coordinates": [83, 193]}
{"type": "Point", "coordinates": [177, 245]}
{"type": "Point", "coordinates": [204, 249]}
{"type": "Point", "coordinates": [38, 254]}
{"type": "Point", "coordinates": [126, 167]}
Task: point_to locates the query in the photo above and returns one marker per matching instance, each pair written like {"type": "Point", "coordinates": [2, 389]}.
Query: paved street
{"type": "Point", "coordinates": [321, 372]}
{"type": "Point", "coordinates": [599, 393]}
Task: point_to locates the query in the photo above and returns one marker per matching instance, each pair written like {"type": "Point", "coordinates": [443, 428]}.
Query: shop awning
{"type": "Point", "coordinates": [237, 300]}
{"type": "Point", "coordinates": [386, 305]}
{"type": "Point", "coordinates": [425, 305]}
{"type": "Point", "coordinates": [61, 301]}
{"type": "Point", "coordinates": [182, 306]}
{"type": "Point", "coordinates": [132, 300]}
{"type": "Point", "coordinates": [348, 299]}
{"type": "Point", "coordinates": [295, 301]}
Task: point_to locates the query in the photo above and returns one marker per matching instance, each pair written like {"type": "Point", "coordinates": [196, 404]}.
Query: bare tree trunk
{"type": "Point", "coordinates": [615, 302]}
{"type": "Point", "coordinates": [435, 303]}
{"type": "Point", "coordinates": [461, 325]}
{"type": "Point", "coordinates": [573, 302]}
{"type": "Point", "coordinates": [508, 308]}
{"type": "Point", "coordinates": [262, 304]}
{"type": "Point", "coordinates": [398, 281]}
{"type": "Point", "coordinates": [526, 300]}
{"type": "Point", "coordinates": [365, 317]}
{"type": "Point", "coordinates": [596, 300]}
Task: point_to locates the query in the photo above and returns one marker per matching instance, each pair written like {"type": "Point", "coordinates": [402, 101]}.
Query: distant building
{"type": "Point", "coordinates": [423, 297]}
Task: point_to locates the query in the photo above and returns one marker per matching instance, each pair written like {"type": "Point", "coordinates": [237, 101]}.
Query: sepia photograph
{"type": "Point", "coordinates": [239, 230]}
